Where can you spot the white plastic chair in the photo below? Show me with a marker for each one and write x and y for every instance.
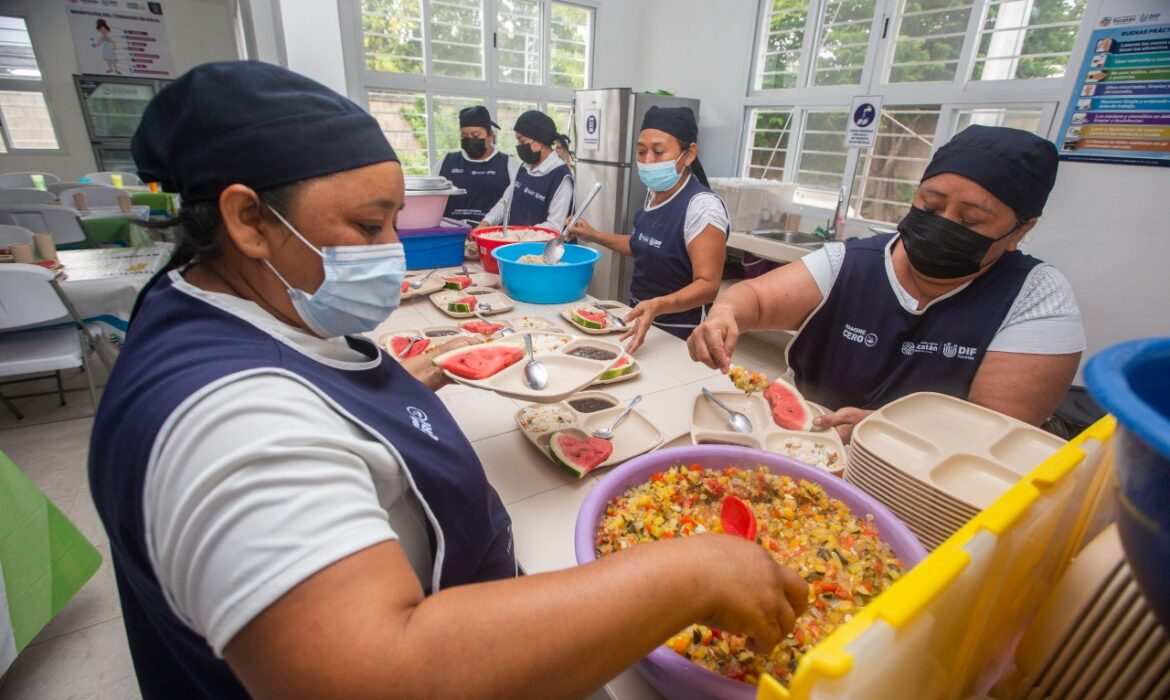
(99, 197)
(26, 195)
(14, 234)
(105, 178)
(30, 297)
(59, 187)
(60, 221)
(10, 180)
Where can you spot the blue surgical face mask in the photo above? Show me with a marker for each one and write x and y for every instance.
(659, 177)
(362, 287)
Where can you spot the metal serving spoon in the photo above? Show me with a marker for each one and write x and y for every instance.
(620, 321)
(535, 373)
(739, 422)
(554, 250)
(607, 433)
(504, 331)
(417, 282)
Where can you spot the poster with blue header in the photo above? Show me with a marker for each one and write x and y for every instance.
(1119, 111)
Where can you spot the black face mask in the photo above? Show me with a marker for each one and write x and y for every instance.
(527, 153)
(940, 248)
(474, 148)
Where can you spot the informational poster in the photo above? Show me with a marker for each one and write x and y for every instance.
(861, 131)
(120, 37)
(1119, 111)
(591, 141)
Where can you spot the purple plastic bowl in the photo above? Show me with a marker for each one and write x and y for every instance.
(671, 674)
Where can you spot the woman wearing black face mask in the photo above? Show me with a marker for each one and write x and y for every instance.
(542, 192)
(477, 167)
(948, 304)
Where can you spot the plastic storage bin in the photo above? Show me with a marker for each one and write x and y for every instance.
(1132, 381)
(948, 627)
(425, 207)
(433, 247)
(546, 284)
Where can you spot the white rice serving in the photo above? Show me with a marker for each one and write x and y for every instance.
(809, 452)
(542, 419)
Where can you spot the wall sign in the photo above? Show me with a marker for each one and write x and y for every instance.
(591, 140)
(864, 119)
(1119, 111)
(120, 37)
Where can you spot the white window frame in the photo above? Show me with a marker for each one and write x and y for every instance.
(1047, 94)
(489, 90)
(39, 85)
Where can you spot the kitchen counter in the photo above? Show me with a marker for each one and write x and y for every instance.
(543, 499)
(763, 248)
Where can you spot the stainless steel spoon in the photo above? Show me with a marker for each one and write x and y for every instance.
(504, 331)
(607, 433)
(554, 250)
(535, 373)
(618, 319)
(739, 422)
(417, 282)
(413, 339)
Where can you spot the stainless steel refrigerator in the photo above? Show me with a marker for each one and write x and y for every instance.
(605, 137)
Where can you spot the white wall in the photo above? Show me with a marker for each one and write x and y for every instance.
(312, 41)
(199, 31)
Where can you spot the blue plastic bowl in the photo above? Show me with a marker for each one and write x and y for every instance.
(545, 284)
(1132, 381)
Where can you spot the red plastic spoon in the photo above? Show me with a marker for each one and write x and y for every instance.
(738, 519)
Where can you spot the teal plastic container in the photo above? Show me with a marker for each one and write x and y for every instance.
(545, 284)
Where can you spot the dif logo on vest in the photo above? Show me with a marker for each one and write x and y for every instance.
(859, 335)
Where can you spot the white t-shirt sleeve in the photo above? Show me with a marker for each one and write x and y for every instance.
(514, 164)
(1044, 319)
(559, 205)
(256, 486)
(824, 264)
(705, 209)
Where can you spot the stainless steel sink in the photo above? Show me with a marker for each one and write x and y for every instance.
(804, 240)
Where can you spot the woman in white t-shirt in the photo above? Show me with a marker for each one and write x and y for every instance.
(679, 237)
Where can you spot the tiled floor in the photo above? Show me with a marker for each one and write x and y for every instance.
(82, 653)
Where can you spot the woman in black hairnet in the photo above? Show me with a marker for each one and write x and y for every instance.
(542, 191)
(290, 512)
(679, 239)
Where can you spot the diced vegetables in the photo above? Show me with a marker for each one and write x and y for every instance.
(747, 381)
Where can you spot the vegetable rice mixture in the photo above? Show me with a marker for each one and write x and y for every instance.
(840, 554)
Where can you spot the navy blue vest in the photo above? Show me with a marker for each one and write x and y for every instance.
(861, 348)
(176, 347)
(485, 182)
(532, 194)
(661, 263)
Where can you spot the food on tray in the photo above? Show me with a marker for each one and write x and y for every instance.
(580, 454)
(530, 323)
(479, 361)
(622, 367)
(810, 452)
(405, 286)
(480, 327)
(440, 332)
(544, 342)
(456, 282)
(589, 318)
(535, 259)
(399, 343)
(789, 409)
(592, 353)
(462, 305)
(518, 235)
(543, 418)
(591, 404)
(747, 381)
(840, 554)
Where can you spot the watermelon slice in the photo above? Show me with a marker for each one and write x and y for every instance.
(399, 342)
(479, 361)
(480, 327)
(589, 318)
(623, 366)
(405, 286)
(789, 409)
(456, 282)
(462, 305)
(579, 455)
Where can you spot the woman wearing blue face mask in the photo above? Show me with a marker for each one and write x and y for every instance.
(291, 513)
(679, 239)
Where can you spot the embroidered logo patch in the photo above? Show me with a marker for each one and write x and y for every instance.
(418, 418)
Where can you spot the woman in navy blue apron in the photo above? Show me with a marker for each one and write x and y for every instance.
(679, 239)
(948, 304)
(477, 167)
(290, 512)
(542, 191)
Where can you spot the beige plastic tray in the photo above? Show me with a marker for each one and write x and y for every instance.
(969, 452)
(429, 286)
(709, 426)
(485, 295)
(436, 334)
(637, 369)
(634, 436)
(922, 493)
(567, 374)
(615, 307)
(528, 323)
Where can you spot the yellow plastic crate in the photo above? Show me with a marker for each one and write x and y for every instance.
(946, 629)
